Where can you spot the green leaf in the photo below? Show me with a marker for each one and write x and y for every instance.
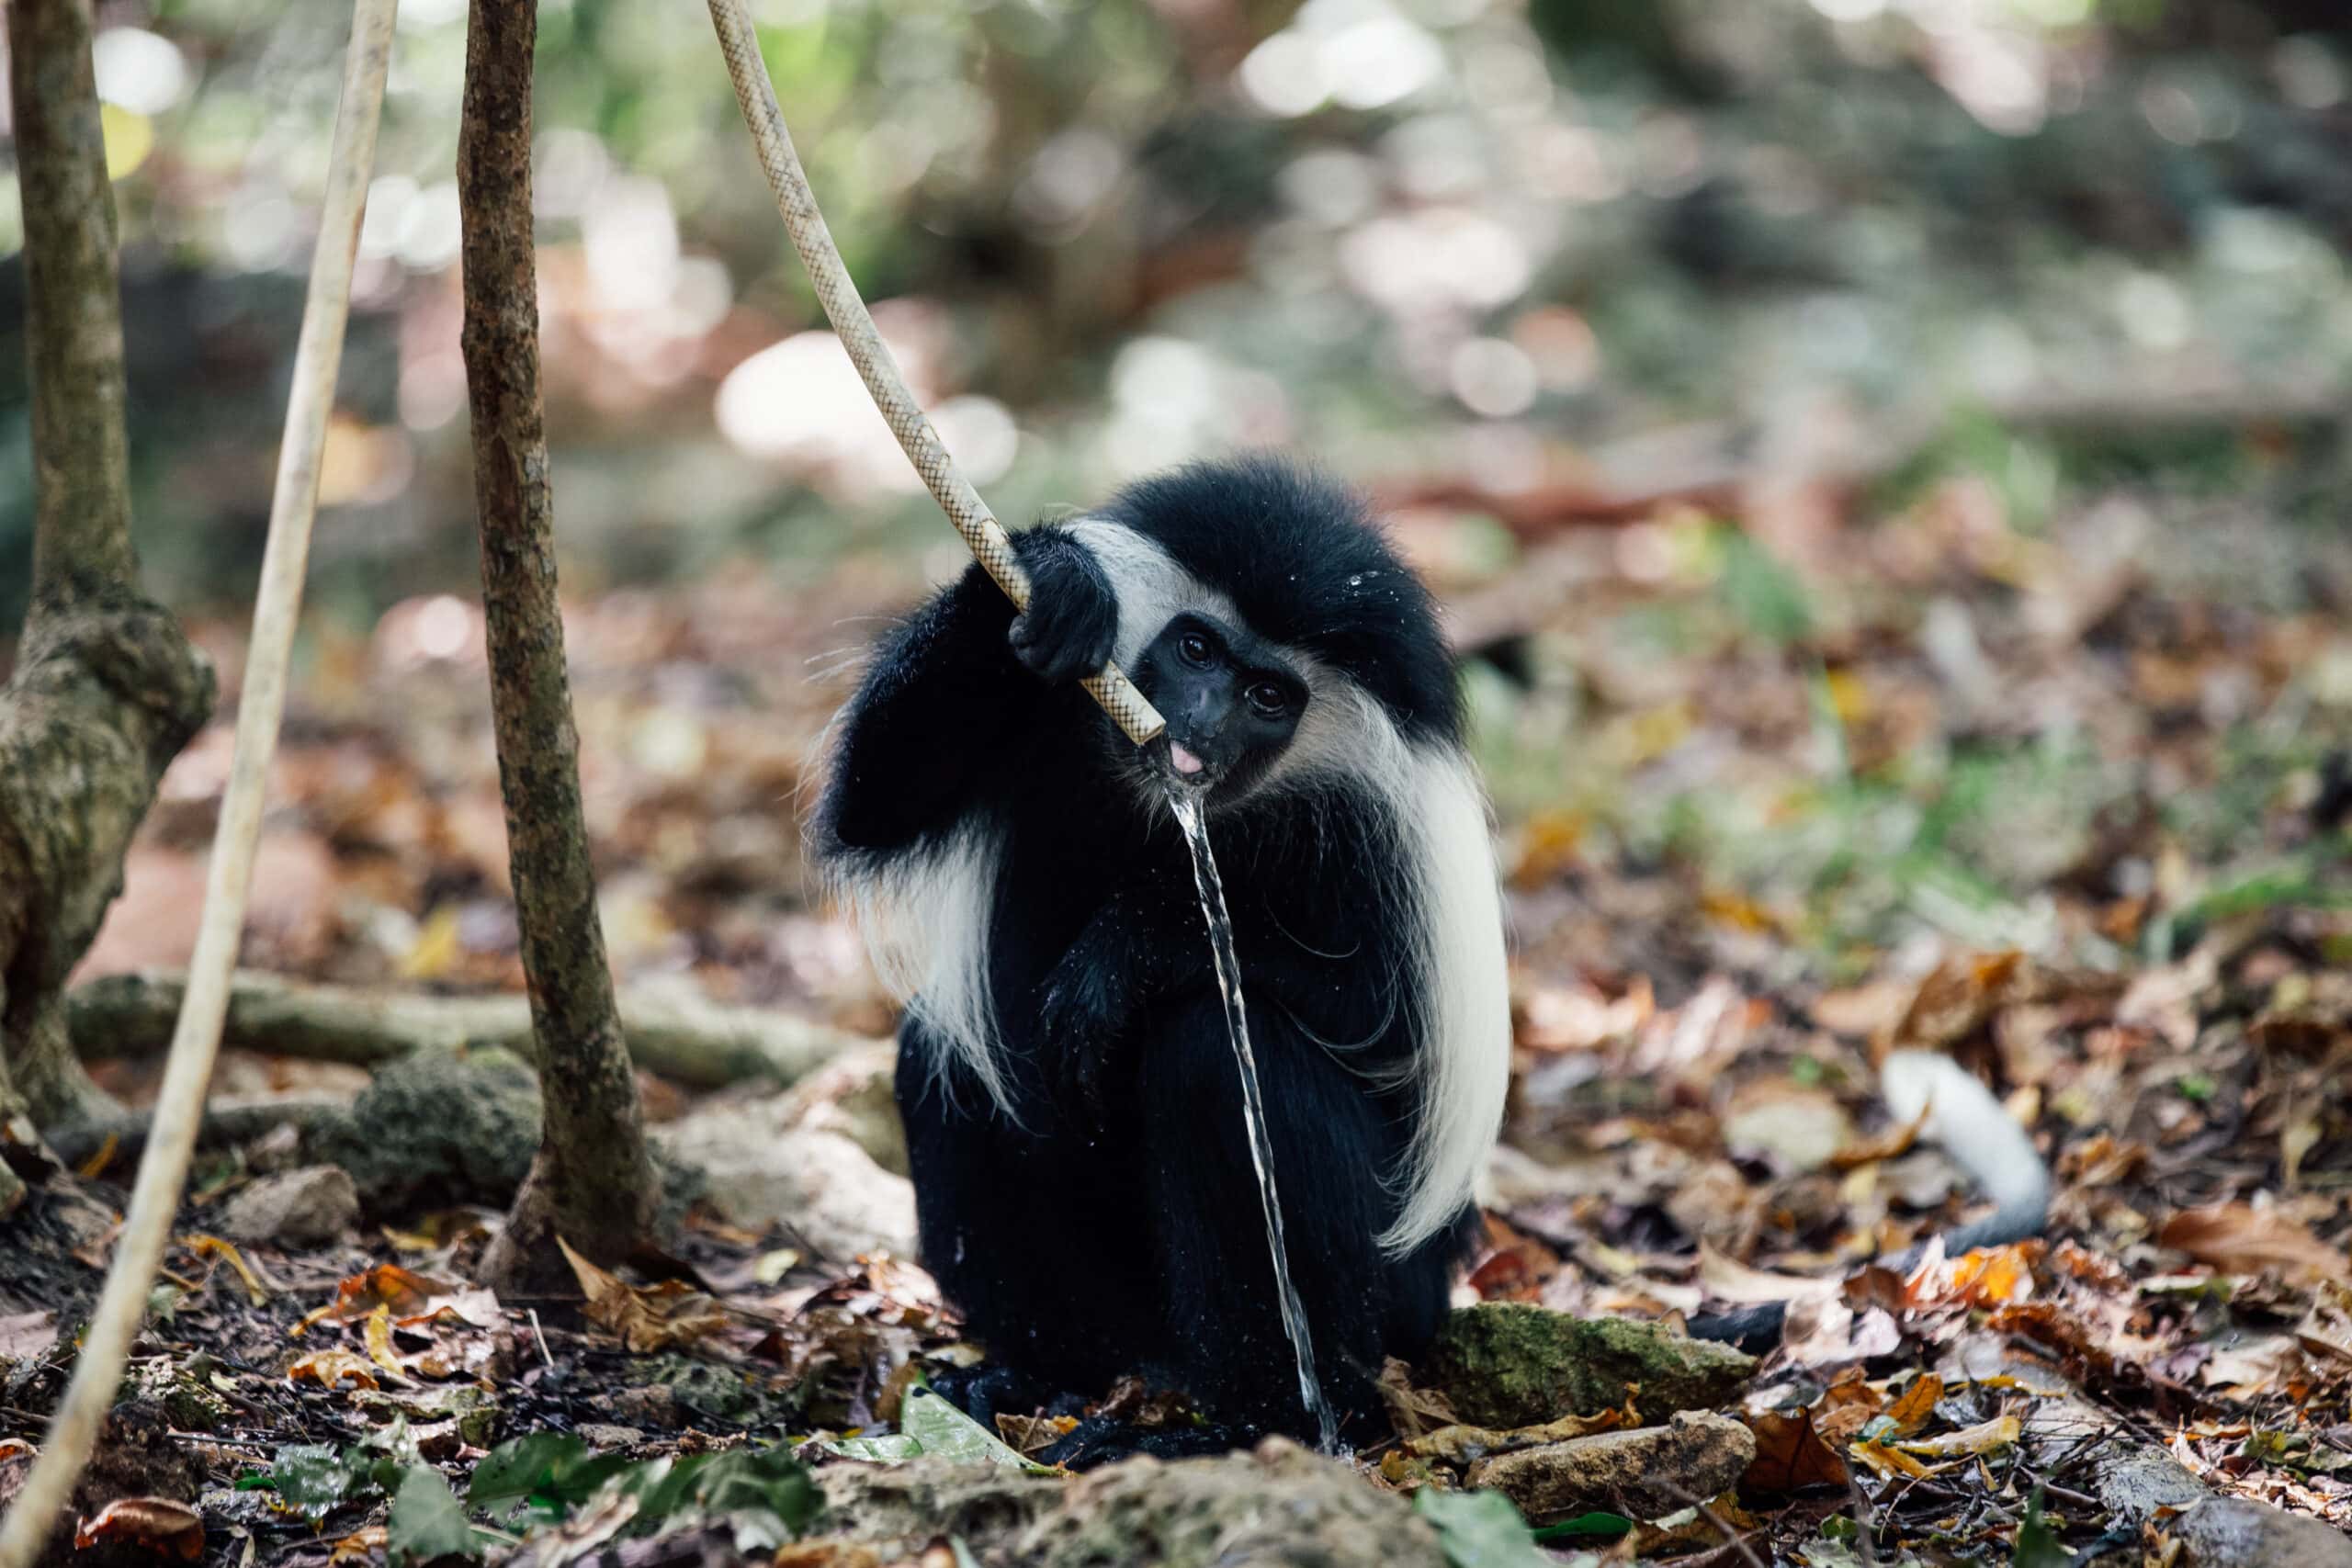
(891, 1448)
(312, 1479)
(2037, 1542)
(947, 1431)
(1479, 1529)
(765, 1493)
(1586, 1527)
(427, 1523)
(554, 1472)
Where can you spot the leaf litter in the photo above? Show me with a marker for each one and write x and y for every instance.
(1785, 839)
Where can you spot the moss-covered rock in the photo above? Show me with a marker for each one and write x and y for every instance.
(1513, 1364)
(436, 1128)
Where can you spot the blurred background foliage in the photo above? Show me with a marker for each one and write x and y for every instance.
(1415, 235)
(1891, 343)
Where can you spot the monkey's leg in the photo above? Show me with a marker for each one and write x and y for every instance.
(1331, 1143)
(1031, 1231)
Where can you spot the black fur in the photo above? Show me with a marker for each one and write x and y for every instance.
(1115, 1227)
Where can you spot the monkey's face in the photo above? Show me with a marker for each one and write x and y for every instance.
(1231, 701)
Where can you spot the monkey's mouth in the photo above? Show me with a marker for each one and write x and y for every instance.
(1189, 769)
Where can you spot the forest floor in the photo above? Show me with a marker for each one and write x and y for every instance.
(2061, 791)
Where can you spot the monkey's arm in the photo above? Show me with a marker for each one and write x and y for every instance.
(951, 686)
(1146, 949)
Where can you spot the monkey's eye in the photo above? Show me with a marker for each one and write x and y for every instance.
(1270, 700)
(1195, 649)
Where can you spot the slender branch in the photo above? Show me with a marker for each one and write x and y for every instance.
(797, 204)
(155, 1199)
(594, 1180)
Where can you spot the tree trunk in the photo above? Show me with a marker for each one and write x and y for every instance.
(106, 688)
(593, 1181)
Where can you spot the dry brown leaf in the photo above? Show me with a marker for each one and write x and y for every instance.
(93, 1168)
(1582, 1018)
(2257, 1368)
(838, 1554)
(471, 1307)
(1517, 1267)
(1955, 1000)
(1985, 1437)
(1461, 1443)
(1891, 1462)
(1892, 1144)
(386, 1285)
(1727, 1279)
(2327, 1329)
(152, 1524)
(377, 1334)
(2102, 1160)
(646, 1317)
(2046, 1323)
(1987, 1277)
(1844, 1407)
(1911, 1411)
(332, 1368)
(1864, 1012)
(1693, 1530)
(2237, 1238)
(213, 1247)
(360, 1545)
(1791, 1454)
(1412, 1410)
(1027, 1434)
(1830, 1334)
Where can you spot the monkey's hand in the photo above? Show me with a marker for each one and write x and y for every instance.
(1073, 617)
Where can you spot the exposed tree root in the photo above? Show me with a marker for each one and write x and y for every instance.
(700, 1044)
(228, 1122)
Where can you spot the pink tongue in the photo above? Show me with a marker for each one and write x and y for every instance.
(1185, 761)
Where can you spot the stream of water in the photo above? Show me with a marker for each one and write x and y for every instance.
(1253, 1111)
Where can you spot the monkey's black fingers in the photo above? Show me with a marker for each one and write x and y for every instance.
(1049, 652)
(1073, 616)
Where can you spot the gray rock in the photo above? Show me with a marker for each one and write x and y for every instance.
(2235, 1532)
(2138, 1479)
(299, 1208)
(854, 1095)
(1646, 1473)
(759, 1169)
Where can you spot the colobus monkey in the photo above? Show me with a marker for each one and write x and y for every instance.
(1072, 1106)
